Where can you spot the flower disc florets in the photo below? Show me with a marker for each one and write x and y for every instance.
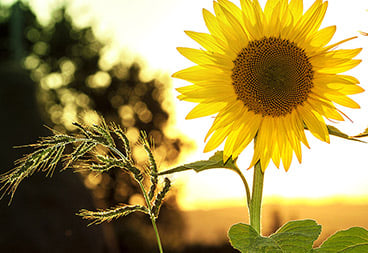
(272, 76)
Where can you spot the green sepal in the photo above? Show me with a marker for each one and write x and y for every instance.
(293, 237)
(214, 162)
(352, 240)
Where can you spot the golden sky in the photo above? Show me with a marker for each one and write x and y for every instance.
(339, 169)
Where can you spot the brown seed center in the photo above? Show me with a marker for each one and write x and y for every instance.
(272, 76)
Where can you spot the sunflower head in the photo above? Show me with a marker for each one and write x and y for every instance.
(267, 73)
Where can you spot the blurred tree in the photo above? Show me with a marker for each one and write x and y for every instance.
(75, 83)
(41, 217)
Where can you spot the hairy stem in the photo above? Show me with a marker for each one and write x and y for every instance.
(148, 203)
(152, 216)
(256, 200)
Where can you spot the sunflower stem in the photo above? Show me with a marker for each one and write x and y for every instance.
(256, 200)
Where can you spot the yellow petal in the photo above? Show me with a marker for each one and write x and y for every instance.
(251, 19)
(206, 58)
(217, 138)
(205, 109)
(296, 7)
(200, 73)
(197, 56)
(208, 93)
(343, 100)
(247, 131)
(227, 115)
(338, 43)
(231, 7)
(350, 89)
(322, 37)
(213, 26)
(258, 16)
(231, 30)
(332, 78)
(340, 65)
(343, 53)
(314, 122)
(291, 136)
(274, 23)
(310, 22)
(239, 34)
(325, 108)
(287, 155)
(277, 142)
(270, 6)
(264, 136)
(296, 123)
(205, 40)
(334, 58)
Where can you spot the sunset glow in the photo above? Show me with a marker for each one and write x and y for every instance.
(329, 172)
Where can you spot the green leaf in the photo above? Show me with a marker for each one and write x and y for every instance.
(352, 240)
(214, 162)
(336, 132)
(244, 238)
(297, 236)
(293, 237)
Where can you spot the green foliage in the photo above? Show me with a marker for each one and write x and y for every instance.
(214, 162)
(297, 237)
(293, 237)
(244, 238)
(352, 240)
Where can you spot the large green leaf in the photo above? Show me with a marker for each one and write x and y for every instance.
(352, 240)
(293, 237)
(244, 238)
(214, 162)
(297, 236)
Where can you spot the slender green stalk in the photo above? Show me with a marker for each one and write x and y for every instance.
(237, 170)
(152, 216)
(256, 200)
(157, 234)
(148, 203)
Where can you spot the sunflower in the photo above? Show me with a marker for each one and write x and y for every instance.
(268, 74)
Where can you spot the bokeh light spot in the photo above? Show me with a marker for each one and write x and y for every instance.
(99, 80)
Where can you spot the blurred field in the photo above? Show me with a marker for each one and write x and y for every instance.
(210, 226)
